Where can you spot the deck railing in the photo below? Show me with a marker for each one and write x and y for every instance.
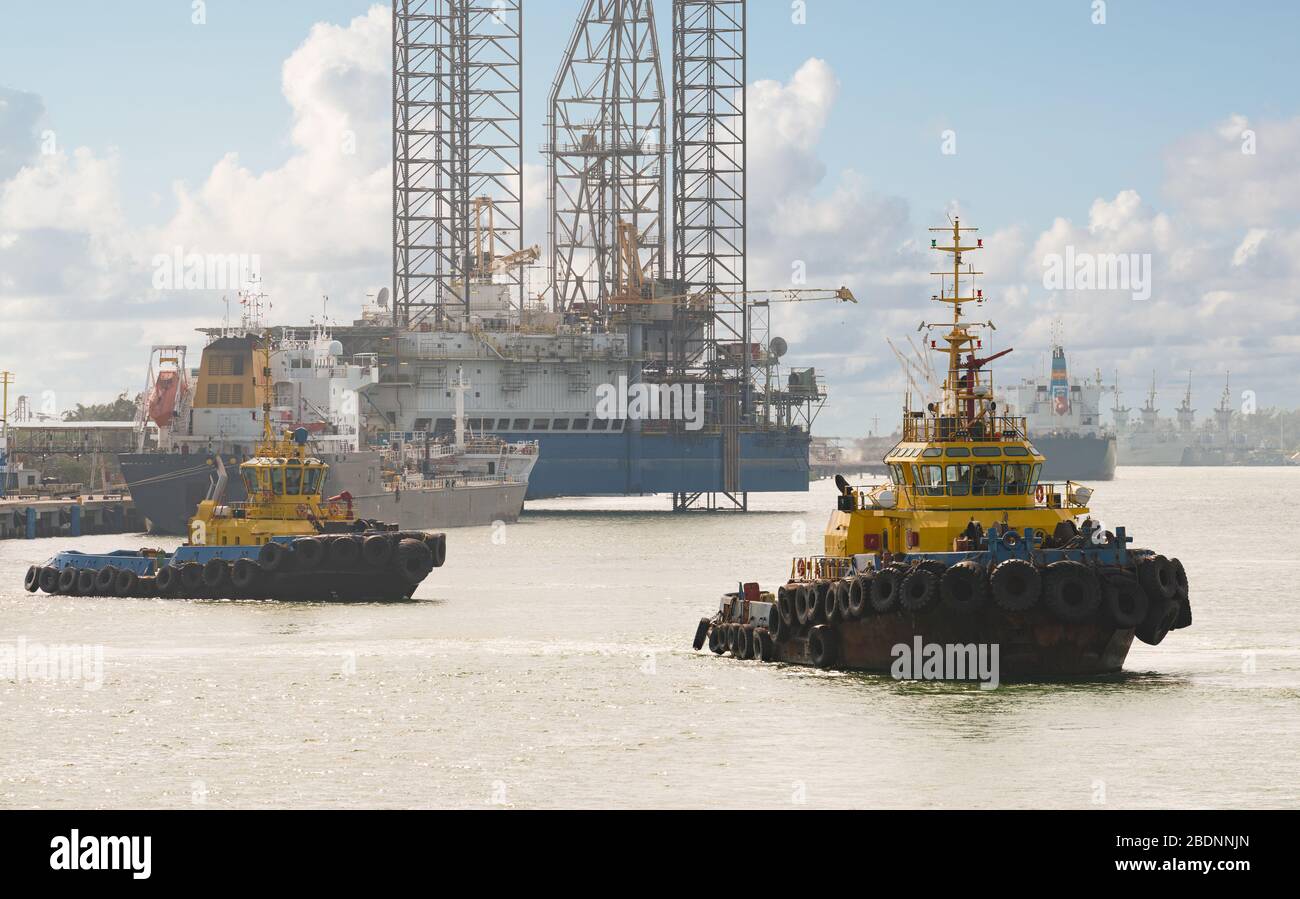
(943, 428)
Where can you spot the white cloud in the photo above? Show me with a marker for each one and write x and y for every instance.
(1237, 173)
(75, 276)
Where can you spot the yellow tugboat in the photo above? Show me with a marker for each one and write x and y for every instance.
(965, 546)
(286, 542)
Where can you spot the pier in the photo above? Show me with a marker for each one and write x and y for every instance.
(30, 517)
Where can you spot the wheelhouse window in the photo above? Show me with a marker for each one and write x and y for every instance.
(312, 483)
(958, 479)
(521, 424)
(896, 473)
(293, 480)
(581, 424)
(250, 481)
(277, 481)
(1016, 482)
(986, 479)
(561, 424)
(600, 424)
(987, 451)
(929, 479)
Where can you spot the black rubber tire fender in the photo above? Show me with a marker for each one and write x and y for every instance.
(308, 553)
(168, 580)
(884, 591)
(1015, 585)
(745, 642)
(803, 599)
(377, 550)
(413, 560)
(785, 604)
(1182, 595)
(216, 574)
(842, 607)
(701, 634)
(273, 556)
(717, 640)
(191, 578)
(246, 575)
(934, 566)
(919, 590)
(824, 646)
(68, 581)
(964, 588)
(831, 602)
(1156, 576)
(125, 583)
(345, 552)
(1070, 592)
(32, 579)
(106, 580)
(819, 606)
(764, 649)
(1123, 602)
(859, 596)
(776, 626)
(1161, 615)
(50, 579)
(437, 544)
(732, 637)
(86, 582)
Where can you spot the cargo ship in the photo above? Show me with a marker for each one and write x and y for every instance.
(415, 479)
(1063, 417)
(966, 556)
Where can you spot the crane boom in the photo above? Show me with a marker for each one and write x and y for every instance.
(782, 295)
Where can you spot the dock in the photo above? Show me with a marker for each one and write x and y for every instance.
(30, 517)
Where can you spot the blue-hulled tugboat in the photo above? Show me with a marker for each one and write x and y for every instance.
(287, 542)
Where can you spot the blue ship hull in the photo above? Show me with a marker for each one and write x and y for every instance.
(630, 463)
(166, 488)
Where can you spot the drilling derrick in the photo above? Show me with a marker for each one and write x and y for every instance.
(457, 152)
(607, 136)
(714, 343)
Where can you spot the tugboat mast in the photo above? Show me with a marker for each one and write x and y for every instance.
(966, 401)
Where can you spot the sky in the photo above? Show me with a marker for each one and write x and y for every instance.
(1169, 131)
